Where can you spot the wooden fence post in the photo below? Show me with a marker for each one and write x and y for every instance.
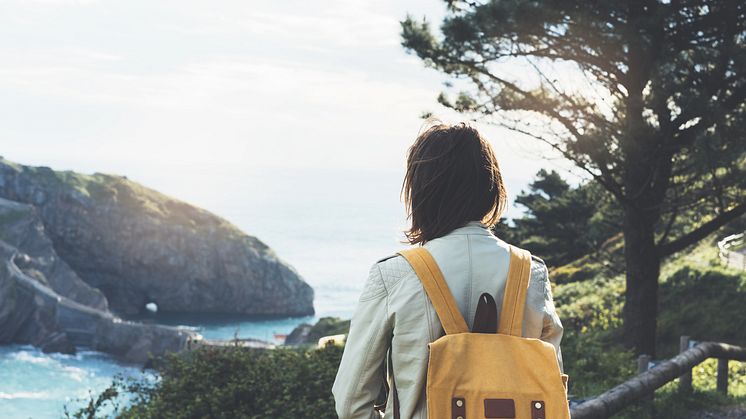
(722, 378)
(642, 363)
(639, 388)
(685, 380)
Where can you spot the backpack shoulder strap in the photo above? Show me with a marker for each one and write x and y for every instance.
(516, 288)
(437, 289)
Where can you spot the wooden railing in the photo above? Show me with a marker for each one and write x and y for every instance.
(643, 385)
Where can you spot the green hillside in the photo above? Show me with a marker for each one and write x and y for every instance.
(698, 297)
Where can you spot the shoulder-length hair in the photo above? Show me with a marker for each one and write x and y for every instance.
(452, 178)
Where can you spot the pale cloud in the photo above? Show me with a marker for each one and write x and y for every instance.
(228, 83)
(231, 82)
(47, 2)
(335, 23)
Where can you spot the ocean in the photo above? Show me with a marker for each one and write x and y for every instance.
(330, 225)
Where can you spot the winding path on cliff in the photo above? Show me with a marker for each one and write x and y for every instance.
(81, 250)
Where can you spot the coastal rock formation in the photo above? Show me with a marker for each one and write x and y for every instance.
(299, 335)
(305, 333)
(21, 228)
(32, 313)
(138, 246)
(44, 303)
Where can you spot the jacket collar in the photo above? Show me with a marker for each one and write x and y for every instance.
(472, 227)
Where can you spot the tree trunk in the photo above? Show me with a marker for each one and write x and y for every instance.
(644, 187)
(643, 267)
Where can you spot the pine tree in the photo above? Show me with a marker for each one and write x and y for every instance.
(563, 223)
(647, 97)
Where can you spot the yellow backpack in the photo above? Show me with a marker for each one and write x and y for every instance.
(488, 375)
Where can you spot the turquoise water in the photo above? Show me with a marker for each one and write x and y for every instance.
(38, 385)
(228, 327)
(330, 225)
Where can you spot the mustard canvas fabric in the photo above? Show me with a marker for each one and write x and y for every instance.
(477, 375)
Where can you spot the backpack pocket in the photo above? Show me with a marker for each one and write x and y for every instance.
(492, 405)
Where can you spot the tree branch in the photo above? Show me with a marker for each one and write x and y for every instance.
(603, 179)
(538, 105)
(701, 232)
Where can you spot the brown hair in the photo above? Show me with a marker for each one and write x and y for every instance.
(452, 178)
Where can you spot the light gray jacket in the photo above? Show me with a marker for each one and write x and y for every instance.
(394, 312)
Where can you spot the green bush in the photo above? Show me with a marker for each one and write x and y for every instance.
(594, 363)
(230, 383)
(591, 348)
(706, 304)
(592, 305)
(574, 273)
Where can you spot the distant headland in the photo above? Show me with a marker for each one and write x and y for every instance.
(77, 251)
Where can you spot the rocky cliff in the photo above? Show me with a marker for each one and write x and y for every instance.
(44, 303)
(22, 230)
(310, 334)
(134, 245)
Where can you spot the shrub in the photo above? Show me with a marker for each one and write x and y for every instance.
(229, 383)
(594, 363)
(595, 304)
(706, 304)
(223, 383)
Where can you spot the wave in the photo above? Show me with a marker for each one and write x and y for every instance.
(30, 356)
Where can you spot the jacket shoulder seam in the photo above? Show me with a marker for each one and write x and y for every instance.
(378, 281)
(538, 259)
(383, 259)
(393, 269)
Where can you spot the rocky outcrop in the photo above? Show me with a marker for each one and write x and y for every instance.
(137, 246)
(33, 313)
(299, 335)
(44, 303)
(22, 229)
(310, 334)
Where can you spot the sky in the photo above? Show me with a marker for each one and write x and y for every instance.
(141, 88)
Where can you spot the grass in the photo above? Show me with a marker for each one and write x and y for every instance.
(698, 297)
(606, 262)
(669, 402)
